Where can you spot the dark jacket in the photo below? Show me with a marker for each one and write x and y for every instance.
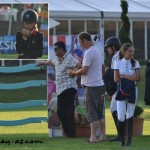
(147, 85)
(126, 90)
(31, 48)
(110, 85)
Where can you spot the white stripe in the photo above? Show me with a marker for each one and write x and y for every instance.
(68, 39)
(54, 39)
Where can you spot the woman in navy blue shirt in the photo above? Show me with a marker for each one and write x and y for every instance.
(29, 41)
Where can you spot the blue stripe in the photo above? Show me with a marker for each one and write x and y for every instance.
(19, 68)
(23, 121)
(29, 103)
(25, 84)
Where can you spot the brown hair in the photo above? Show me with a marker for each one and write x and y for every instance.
(123, 49)
(85, 35)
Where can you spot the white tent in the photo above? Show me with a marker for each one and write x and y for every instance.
(23, 1)
(96, 9)
(139, 10)
(108, 9)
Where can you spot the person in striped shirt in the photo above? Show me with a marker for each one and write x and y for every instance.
(66, 86)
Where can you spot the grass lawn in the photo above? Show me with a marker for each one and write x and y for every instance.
(29, 93)
(14, 56)
(38, 133)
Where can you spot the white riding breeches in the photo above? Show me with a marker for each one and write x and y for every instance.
(125, 108)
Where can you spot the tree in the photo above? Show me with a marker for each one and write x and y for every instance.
(125, 24)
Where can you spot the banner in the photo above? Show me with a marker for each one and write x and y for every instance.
(73, 46)
(8, 45)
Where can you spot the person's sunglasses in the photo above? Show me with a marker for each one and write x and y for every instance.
(56, 49)
(28, 23)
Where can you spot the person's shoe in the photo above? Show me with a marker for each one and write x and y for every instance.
(71, 136)
(129, 143)
(123, 144)
(116, 139)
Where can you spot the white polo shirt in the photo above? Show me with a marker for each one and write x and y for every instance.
(125, 67)
(114, 59)
(92, 59)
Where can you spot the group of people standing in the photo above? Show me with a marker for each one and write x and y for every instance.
(126, 72)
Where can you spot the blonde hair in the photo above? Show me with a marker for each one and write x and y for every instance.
(36, 27)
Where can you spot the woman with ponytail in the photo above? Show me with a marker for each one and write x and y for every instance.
(112, 45)
(126, 73)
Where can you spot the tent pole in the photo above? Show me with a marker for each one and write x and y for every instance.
(131, 30)
(102, 23)
(102, 30)
(10, 21)
(117, 27)
(145, 39)
(69, 26)
(85, 25)
(102, 35)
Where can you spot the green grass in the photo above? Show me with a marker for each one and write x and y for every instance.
(26, 93)
(39, 132)
(68, 144)
(14, 56)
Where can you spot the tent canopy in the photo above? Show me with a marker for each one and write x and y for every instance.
(138, 9)
(23, 1)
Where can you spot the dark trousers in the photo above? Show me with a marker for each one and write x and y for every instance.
(65, 111)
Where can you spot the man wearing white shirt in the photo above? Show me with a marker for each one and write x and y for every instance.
(91, 79)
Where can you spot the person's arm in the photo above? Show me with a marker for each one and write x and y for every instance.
(116, 71)
(46, 63)
(40, 46)
(136, 77)
(25, 33)
(20, 44)
(78, 66)
(81, 71)
(103, 69)
(116, 76)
